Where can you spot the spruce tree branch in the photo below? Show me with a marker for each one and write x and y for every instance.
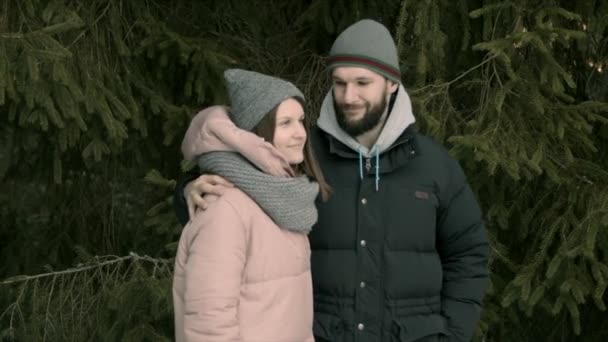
(447, 84)
(4, 19)
(12, 36)
(497, 75)
(496, 23)
(105, 10)
(48, 305)
(23, 21)
(114, 260)
(399, 32)
(503, 258)
(14, 307)
(583, 179)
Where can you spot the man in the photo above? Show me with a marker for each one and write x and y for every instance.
(399, 252)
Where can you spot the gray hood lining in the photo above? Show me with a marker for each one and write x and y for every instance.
(400, 117)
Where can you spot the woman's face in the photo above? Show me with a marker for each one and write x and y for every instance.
(289, 133)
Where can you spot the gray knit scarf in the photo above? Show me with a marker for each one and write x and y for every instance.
(289, 201)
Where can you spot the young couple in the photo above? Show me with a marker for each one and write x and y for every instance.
(359, 229)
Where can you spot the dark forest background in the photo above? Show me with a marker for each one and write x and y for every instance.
(96, 95)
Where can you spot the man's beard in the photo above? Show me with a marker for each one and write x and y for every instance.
(371, 118)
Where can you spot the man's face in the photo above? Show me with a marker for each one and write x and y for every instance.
(361, 97)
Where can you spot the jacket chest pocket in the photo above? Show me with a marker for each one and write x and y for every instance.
(412, 218)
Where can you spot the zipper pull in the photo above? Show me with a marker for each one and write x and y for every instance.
(368, 164)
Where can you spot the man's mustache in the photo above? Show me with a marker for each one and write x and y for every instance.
(350, 107)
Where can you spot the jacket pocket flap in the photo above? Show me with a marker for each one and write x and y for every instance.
(413, 328)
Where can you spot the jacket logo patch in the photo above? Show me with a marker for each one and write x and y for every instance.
(422, 195)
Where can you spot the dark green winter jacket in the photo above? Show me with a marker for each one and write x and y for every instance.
(398, 257)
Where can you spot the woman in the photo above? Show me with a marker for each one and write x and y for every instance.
(242, 270)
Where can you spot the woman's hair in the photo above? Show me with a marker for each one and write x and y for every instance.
(310, 166)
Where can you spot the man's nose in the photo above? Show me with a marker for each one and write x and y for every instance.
(350, 94)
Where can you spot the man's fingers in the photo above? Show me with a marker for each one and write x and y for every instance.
(195, 201)
(200, 202)
(205, 184)
(190, 209)
(218, 180)
(217, 190)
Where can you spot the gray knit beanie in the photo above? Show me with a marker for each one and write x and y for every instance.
(367, 44)
(252, 95)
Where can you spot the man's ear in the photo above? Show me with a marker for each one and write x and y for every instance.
(392, 86)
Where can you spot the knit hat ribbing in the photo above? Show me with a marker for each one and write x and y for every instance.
(367, 44)
(252, 95)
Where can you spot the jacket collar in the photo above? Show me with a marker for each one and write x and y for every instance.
(339, 148)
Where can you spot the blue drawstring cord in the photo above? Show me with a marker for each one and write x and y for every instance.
(360, 163)
(377, 148)
(377, 166)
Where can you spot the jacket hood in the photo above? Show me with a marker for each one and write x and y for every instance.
(211, 130)
(399, 118)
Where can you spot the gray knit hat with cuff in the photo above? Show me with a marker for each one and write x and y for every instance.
(367, 44)
(252, 95)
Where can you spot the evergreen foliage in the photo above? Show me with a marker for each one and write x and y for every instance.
(95, 97)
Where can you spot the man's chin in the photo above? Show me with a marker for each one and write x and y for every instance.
(351, 128)
(353, 117)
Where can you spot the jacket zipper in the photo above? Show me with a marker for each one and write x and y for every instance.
(368, 161)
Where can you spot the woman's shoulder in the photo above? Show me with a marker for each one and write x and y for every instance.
(237, 198)
(232, 211)
(233, 201)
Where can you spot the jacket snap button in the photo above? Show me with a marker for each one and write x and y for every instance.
(362, 284)
(363, 243)
(360, 326)
(364, 200)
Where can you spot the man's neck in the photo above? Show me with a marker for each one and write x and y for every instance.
(369, 138)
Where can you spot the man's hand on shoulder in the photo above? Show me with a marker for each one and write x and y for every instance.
(195, 191)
